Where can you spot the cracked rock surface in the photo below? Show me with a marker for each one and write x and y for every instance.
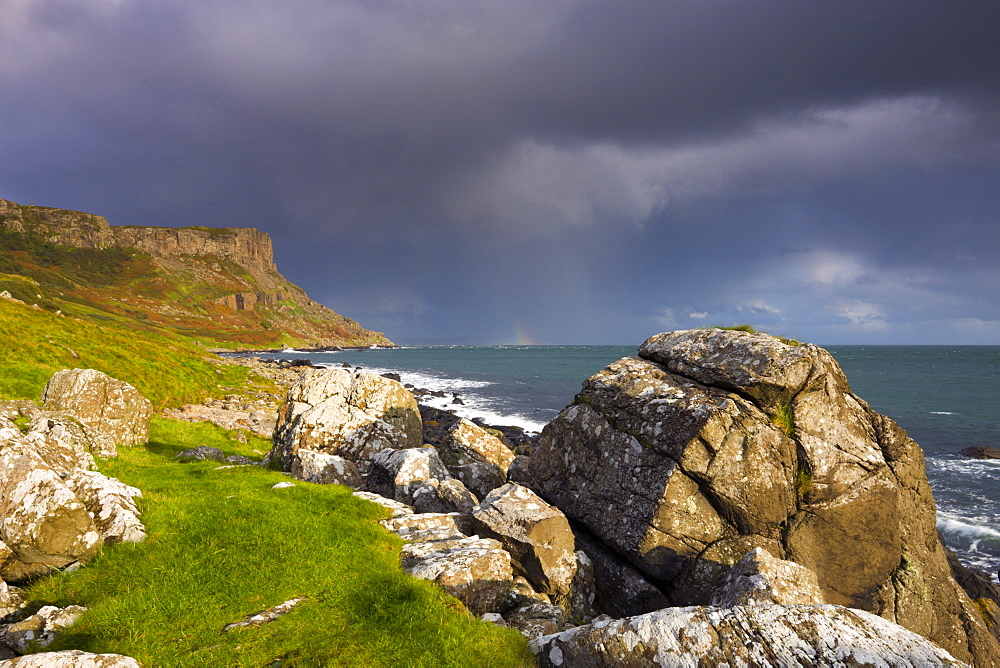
(711, 443)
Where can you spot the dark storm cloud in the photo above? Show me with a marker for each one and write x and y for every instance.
(579, 144)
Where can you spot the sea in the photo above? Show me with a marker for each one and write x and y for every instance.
(946, 397)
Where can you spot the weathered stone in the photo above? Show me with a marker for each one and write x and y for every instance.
(105, 405)
(621, 589)
(70, 430)
(395, 507)
(61, 455)
(348, 413)
(536, 534)
(325, 469)
(406, 525)
(443, 496)
(760, 579)
(476, 571)
(715, 442)
(757, 635)
(240, 460)
(12, 599)
(44, 525)
(265, 616)
(40, 628)
(537, 619)
(71, 658)
(200, 454)
(476, 457)
(111, 503)
(397, 473)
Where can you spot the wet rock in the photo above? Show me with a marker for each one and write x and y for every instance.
(104, 404)
(325, 469)
(755, 635)
(980, 452)
(200, 454)
(350, 414)
(476, 457)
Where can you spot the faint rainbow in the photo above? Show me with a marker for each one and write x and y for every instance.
(522, 337)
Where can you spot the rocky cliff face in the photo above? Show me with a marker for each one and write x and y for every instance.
(712, 443)
(226, 275)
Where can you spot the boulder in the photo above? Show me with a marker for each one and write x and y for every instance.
(536, 534)
(44, 525)
(71, 658)
(754, 635)
(111, 503)
(712, 443)
(476, 571)
(40, 628)
(396, 473)
(980, 452)
(760, 579)
(352, 414)
(536, 619)
(105, 405)
(476, 457)
(69, 429)
(55, 511)
(443, 496)
(324, 469)
(407, 525)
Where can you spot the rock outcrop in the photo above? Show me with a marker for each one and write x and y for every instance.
(756, 635)
(476, 457)
(238, 293)
(712, 443)
(111, 409)
(351, 414)
(71, 658)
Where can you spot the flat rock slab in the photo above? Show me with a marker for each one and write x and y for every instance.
(71, 658)
(265, 616)
(760, 636)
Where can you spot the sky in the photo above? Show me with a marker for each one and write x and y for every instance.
(554, 171)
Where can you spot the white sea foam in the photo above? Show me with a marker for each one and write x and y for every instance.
(474, 406)
(941, 413)
(968, 528)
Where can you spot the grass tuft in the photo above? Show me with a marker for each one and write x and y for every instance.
(784, 417)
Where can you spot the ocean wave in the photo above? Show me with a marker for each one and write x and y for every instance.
(968, 528)
(474, 406)
(942, 413)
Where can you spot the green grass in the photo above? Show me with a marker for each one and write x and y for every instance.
(750, 329)
(168, 370)
(222, 545)
(785, 419)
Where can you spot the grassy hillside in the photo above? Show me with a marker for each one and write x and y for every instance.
(209, 298)
(168, 369)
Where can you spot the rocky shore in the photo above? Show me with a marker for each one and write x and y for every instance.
(721, 497)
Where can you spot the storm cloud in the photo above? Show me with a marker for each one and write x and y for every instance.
(585, 171)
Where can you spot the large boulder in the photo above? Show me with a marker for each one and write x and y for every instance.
(712, 443)
(397, 473)
(54, 510)
(476, 571)
(348, 413)
(318, 467)
(476, 457)
(756, 635)
(106, 406)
